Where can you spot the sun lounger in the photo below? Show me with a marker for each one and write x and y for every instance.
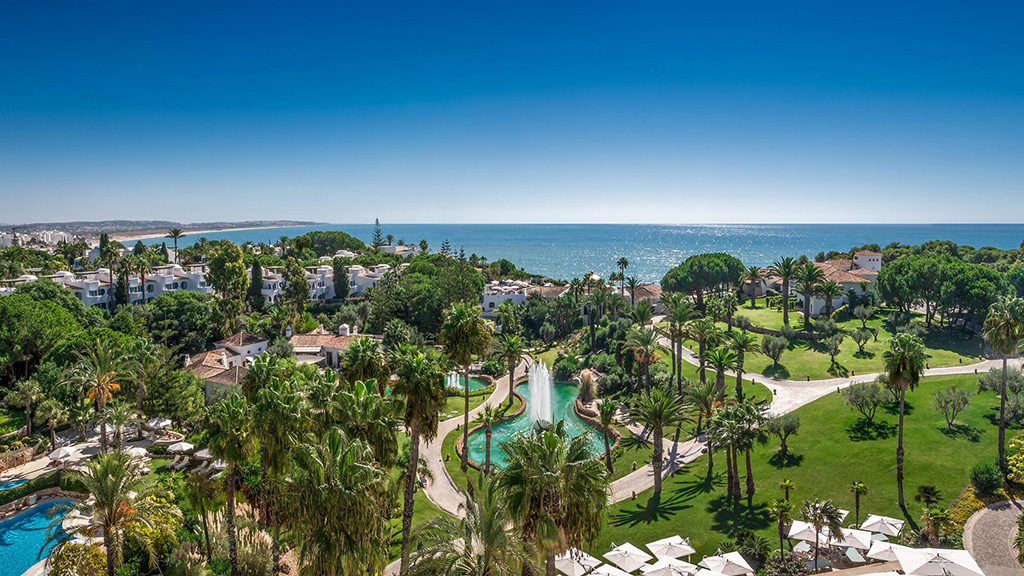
(201, 469)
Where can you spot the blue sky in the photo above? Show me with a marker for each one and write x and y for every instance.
(665, 112)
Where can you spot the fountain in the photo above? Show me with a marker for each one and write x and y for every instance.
(454, 380)
(540, 386)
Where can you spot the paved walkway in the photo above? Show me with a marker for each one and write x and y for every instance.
(989, 535)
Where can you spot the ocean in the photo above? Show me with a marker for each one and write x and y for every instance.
(565, 251)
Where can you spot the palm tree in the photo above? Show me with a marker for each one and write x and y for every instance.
(657, 410)
(174, 234)
(644, 345)
(203, 494)
(512, 349)
(80, 416)
(755, 277)
(859, 489)
(371, 417)
(706, 333)
(488, 418)
(99, 373)
(782, 512)
(365, 360)
(125, 507)
(808, 277)
(632, 284)
(822, 515)
(751, 418)
(904, 363)
(335, 502)
(53, 413)
(622, 263)
(119, 415)
(828, 291)
(928, 495)
(742, 343)
(700, 396)
(142, 267)
(421, 385)
(606, 416)
(231, 440)
(478, 544)
(26, 393)
(787, 486)
(1004, 329)
(679, 310)
(784, 269)
(721, 359)
(725, 430)
(642, 313)
(464, 334)
(555, 492)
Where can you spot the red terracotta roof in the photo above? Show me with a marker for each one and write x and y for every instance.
(241, 339)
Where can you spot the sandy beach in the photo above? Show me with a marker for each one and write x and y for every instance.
(147, 234)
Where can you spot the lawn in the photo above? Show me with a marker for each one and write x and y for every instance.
(808, 358)
(546, 355)
(457, 404)
(831, 451)
(11, 419)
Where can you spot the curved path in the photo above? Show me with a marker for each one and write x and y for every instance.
(989, 535)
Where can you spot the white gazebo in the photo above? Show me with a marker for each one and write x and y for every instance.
(729, 564)
(883, 525)
(627, 556)
(574, 562)
(671, 547)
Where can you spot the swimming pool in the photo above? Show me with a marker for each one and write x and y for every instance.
(22, 536)
(8, 484)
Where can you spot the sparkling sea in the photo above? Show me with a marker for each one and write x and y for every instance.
(564, 251)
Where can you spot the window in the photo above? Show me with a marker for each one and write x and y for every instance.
(490, 304)
(149, 288)
(184, 285)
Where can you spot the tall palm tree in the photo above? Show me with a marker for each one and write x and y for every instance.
(335, 502)
(371, 417)
(808, 277)
(174, 234)
(1004, 329)
(204, 495)
(701, 397)
(755, 277)
(125, 506)
(555, 492)
(26, 393)
(828, 291)
(231, 440)
(858, 489)
(706, 333)
(657, 410)
(99, 373)
(278, 430)
(721, 359)
(644, 345)
(752, 419)
(421, 385)
(81, 413)
(782, 512)
(464, 334)
(478, 544)
(725, 429)
(53, 413)
(142, 266)
(622, 263)
(742, 343)
(784, 269)
(119, 415)
(632, 284)
(679, 311)
(822, 515)
(642, 313)
(488, 418)
(606, 416)
(904, 363)
(512, 349)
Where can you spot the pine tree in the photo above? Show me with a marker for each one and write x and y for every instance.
(378, 237)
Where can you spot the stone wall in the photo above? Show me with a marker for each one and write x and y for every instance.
(54, 493)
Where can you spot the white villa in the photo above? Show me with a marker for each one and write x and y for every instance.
(856, 274)
(228, 363)
(498, 291)
(93, 288)
(322, 347)
(403, 250)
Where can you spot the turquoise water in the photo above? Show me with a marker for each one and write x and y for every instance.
(566, 251)
(11, 484)
(475, 384)
(23, 536)
(562, 398)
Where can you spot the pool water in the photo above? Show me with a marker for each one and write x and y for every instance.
(475, 384)
(7, 485)
(22, 537)
(562, 398)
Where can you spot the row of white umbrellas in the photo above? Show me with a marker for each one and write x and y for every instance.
(629, 558)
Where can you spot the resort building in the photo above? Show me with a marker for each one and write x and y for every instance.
(319, 278)
(403, 250)
(856, 274)
(228, 363)
(323, 347)
(547, 291)
(498, 291)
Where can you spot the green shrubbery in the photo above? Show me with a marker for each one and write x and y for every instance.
(986, 478)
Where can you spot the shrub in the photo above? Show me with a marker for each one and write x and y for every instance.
(841, 313)
(494, 368)
(789, 565)
(986, 478)
(157, 449)
(773, 347)
(742, 322)
(78, 560)
(825, 326)
(788, 332)
(48, 480)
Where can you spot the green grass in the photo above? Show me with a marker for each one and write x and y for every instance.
(11, 420)
(546, 355)
(830, 452)
(807, 358)
(458, 404)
